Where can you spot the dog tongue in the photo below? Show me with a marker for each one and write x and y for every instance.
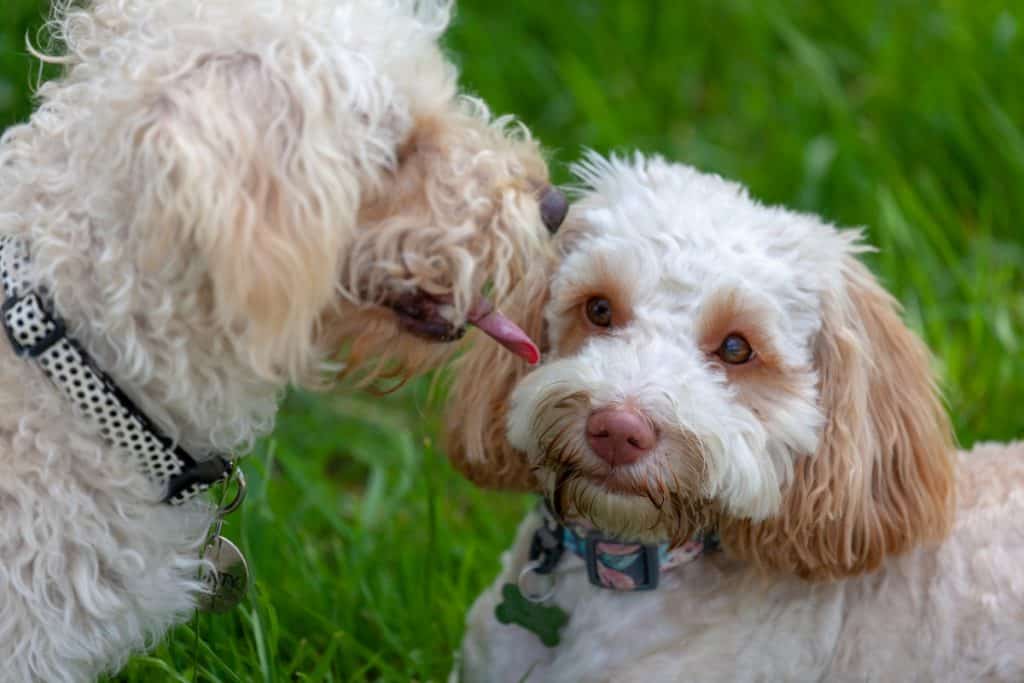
(504, 331)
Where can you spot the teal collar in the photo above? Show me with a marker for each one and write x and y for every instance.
(612, 563)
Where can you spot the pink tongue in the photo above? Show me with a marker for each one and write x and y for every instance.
(504, 331)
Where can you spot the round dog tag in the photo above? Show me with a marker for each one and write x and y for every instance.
(228, 583)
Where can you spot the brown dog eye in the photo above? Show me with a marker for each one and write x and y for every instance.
(599, 311)
(735, 350)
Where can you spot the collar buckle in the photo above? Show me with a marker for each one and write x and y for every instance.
(31, 305)
(546, 547)
(197, 477)
(627, 567)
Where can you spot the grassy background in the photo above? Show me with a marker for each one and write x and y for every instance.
(902, 116)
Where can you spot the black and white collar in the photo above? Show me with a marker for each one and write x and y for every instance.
(38, 333)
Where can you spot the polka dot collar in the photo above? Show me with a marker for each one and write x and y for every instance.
(38, 333)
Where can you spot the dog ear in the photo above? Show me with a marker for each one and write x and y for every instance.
(237, 161)
(882, 480)
(475, 418)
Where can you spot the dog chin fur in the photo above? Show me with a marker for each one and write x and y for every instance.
(219, 196)
(856, 543)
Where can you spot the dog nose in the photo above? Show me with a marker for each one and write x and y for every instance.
(620, 436)
(553, 207)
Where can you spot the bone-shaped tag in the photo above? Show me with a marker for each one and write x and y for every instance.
(543, 621)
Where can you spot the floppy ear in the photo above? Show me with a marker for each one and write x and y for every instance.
(475, 418)
(882, 480)
(241, 160)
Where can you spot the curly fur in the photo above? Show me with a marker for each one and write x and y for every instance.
(219, 196)
(856, 543)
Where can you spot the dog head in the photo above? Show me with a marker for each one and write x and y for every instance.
(218, 201)
(310, 175)
(714, 363)
(466, 214)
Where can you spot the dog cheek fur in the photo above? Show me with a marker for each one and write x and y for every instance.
(459, 210)
(753, 464)
(882, 479)
(478, 405)
(263, 199)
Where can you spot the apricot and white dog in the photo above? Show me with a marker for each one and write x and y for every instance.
(718, 366)
(218, 196)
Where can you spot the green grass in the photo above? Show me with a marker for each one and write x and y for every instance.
(900, 116)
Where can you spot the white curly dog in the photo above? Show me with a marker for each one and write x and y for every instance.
(732, 415)
(215, 198)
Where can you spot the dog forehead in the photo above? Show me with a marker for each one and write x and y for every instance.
(678, 231)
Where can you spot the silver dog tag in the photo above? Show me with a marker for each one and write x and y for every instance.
(228, 583)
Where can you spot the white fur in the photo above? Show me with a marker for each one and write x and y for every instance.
(953, 614)
(191, 189)
(673, 239)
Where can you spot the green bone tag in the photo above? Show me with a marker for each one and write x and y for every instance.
(544, 622)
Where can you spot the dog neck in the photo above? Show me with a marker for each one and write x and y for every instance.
(39, 334)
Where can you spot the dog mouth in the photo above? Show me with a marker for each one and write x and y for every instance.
(428, 316)
(424, 315)
(644, 511)
(604, 480)
(574, 478)
(619, 482)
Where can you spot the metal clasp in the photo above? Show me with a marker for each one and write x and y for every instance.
(545, 592)
(225, 573)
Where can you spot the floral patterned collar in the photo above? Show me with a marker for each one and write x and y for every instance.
(613, 563)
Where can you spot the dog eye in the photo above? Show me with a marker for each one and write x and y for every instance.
(735, 350)
(599, 311)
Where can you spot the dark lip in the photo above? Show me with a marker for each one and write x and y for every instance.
(419, 314)
(607, 479)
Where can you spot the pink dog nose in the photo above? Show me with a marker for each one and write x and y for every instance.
(620, 436)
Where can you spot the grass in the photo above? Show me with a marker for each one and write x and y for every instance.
(899, 116)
